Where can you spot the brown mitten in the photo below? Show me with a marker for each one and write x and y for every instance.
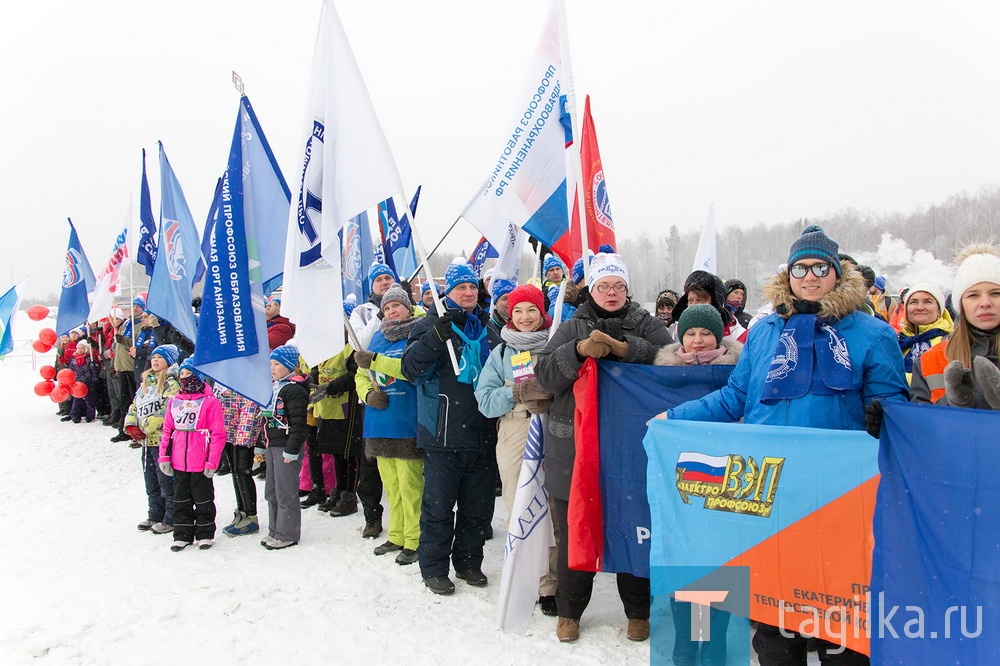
(364, 358)
(588, 347)
(377, 399)
(538, 406)
(530, 389)
(618, 347)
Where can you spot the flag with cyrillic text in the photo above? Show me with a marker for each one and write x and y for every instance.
(108, 278)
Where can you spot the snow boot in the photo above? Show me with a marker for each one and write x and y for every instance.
(347, 505)
(315, 497)
(245, 525)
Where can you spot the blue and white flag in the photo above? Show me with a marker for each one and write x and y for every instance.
(231, 346)
(9, 304)
(529, 537)
(527, 185)
(178, 252)
(78, 282)
(145, 252)
(704, 256)
(359, 254)
(480, 254)
(397, 237)
(109, 275)
(340, 178)
(206, 235)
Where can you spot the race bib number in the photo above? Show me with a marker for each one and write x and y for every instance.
(148, 404)
(185, 413)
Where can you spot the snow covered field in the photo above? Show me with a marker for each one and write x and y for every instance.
(81, 585)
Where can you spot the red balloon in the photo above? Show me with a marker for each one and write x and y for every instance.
(66, 377)
(44, 388)
(59, 394)
(48, 336)
(47, 372)
(40, 346)
(37, 312)
(78, 390)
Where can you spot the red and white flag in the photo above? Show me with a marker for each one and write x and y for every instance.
(109, 276)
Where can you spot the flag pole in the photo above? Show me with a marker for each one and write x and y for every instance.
(424, 259)
(356, 343)
(438, 304)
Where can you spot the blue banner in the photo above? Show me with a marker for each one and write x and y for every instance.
(178, 250)
(8, 306)
(206, 235)
(397, 237)
(232, 329)
(359, 255)
(936, 565)
(78, 281)
(480, 254)
(146, 253)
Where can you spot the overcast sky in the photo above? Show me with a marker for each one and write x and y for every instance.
(771, 110)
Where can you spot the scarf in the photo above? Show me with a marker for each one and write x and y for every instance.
(531, 341)
(810, 357)
(192, 385)
(475, 349)
(914, 346)
(700, 358)
(612, 323)
(394, 331)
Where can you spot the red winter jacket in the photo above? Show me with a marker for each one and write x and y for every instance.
(279, 331)
(194, 432)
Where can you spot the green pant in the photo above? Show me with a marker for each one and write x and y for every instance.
(403, 480)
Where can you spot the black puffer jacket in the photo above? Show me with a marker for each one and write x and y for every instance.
(740, 313)
(286, 426)
(558, 366)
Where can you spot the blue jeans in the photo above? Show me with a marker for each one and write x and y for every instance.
(159, 487)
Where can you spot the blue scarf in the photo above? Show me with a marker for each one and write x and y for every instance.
(475, 350)
(915, 345)
(811, 357)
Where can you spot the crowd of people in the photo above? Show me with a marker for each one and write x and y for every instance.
(432, 410)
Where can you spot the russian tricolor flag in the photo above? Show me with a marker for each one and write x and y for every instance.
(700, 467)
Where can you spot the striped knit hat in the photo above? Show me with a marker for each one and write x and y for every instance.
(815, 244)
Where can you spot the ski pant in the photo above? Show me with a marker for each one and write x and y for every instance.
(240, 462)
(127, 389)
(462, 478)
(281, 491)
(194, 506)
(102, 403)
(84, 407)
(370, 488)
(573, 588)
(775, 649)
(159, 487)
(404, 490)
(114, 396)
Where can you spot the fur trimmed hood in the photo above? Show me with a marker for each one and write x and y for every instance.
(848, 296)
(668, 355)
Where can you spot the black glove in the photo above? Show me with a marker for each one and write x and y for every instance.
(873, 418)
(405, 284)
(442, 327)
(340, 385)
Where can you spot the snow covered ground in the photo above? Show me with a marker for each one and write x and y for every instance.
(81, 585)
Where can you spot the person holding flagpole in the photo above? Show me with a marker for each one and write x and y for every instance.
(818, 361)
(609, 325)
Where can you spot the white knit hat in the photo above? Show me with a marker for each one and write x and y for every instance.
(927, 288)
(607, 265)
(976, 263)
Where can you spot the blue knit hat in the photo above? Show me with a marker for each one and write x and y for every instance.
(457, 274)
(880, 283)
(376, 270)
(274, 299)
(425, 287)
(501, 287)
(138, 300)
(607, 249)
(551, 261)
(350, 302)
(815, 244)
(578, 270)
(169, 353)
(188, 364)
(286, 355)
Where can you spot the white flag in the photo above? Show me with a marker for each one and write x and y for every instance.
(529, 537)
(704, 258)
(109, 276)
(509, 262)
(343, 175)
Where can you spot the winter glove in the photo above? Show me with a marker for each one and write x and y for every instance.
(987, 379)
(958, 386)
(167, 469)
(364, 358)
(618, 347)
(873, 418)
(442, 327)
(588, 347)
(377, 399)
(538, 406)
(258, 460)
(318, 392)
(209, 473)
(407, 287)
(339, 386)
(530, 389)
(135, 433)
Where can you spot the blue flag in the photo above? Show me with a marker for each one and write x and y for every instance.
(480, 254)
(146, 253)
(935, 588)
(231, 346)
(206, 235)
(78, 281)
(178, 251)
(8, 306)
(359, 255)
(400, 255)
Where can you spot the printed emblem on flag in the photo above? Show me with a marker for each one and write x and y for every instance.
(72, 274)
(729, 483)
(351, 260)
(601, 201)
(310, 203)
(173, 248)
(783, 364)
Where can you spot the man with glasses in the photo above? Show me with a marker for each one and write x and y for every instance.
(817, 313)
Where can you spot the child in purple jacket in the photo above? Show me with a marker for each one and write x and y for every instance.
(194, 436)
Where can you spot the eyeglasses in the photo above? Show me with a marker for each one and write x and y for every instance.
(604, 288)
(799, 271)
